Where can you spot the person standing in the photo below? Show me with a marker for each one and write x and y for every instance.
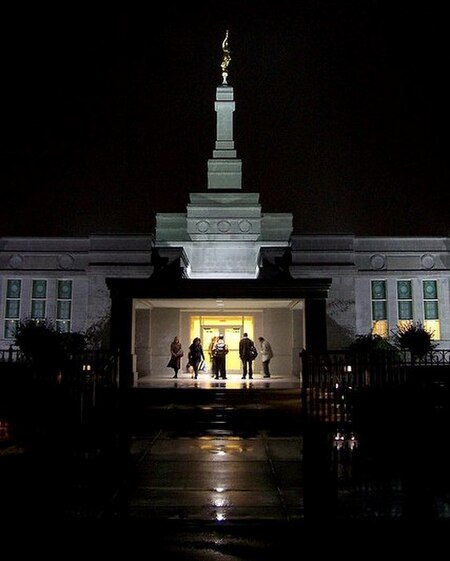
(266, 355)
(220, 352)
(246, 356)
(196, 355)
(176, 352)
(211, 354)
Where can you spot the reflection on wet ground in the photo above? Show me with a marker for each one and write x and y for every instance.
(224, 478)
(309, 473)
(237, 463)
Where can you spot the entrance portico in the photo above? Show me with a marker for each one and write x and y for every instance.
(148, 313)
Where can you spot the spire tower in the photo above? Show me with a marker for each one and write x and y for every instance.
(224, 168)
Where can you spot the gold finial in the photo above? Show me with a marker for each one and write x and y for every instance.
(226, 59)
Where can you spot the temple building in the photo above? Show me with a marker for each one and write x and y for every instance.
(226, 266)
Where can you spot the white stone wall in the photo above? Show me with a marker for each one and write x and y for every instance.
(165, 325)
(341, 312)
(277, 328)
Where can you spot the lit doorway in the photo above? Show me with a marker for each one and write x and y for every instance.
(232, 327)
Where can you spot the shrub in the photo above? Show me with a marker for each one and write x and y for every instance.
(414, 338)
(367, 344)
(97, 335)
(43, 344)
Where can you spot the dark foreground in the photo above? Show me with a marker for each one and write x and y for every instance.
(222, 474)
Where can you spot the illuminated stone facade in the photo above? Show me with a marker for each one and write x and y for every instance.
(225, 237)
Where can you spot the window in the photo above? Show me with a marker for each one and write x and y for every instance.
(64, 306)
(404, 303)
(431, 308)
(38, 299)
(12, 309)
(379, 308)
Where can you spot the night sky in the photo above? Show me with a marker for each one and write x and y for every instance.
(342, 113)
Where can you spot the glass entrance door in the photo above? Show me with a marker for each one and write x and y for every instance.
(231, 327)
(232, 336)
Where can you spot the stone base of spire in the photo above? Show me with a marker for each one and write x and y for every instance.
(224, 174)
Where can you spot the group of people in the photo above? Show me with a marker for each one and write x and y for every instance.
(218, 351)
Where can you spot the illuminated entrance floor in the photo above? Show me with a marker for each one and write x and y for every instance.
(205, 381)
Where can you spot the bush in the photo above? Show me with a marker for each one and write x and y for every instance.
(367, 344)
(41, 343)
(97, 335)
(415, 338)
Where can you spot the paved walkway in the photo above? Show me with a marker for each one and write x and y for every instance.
(217, 479)
(220, 454)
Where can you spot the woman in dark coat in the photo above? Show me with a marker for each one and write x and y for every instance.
(196, 355)
(176, 352)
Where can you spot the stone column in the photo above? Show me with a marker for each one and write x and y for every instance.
(316, 324)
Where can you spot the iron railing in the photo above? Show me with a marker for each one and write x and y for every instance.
(331, 381)
(11, 355)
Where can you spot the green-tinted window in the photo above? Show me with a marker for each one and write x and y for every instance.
(379, 310)
(38, 299)
(39, 289)
(64, 306)
(63, 326)
(63, 309)
(404, 300)
(64, 289)
(12, 307)
(38, 309)
(405, 310)
(379, 290)
(431, 310)
(10, 328)
(430, 290)
(13, 288)
(404, 290)
(379, 307)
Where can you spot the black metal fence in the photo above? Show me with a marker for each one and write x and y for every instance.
(72, 405)
(96, 368)
(332, 381)
(101, 367)
(11, 355)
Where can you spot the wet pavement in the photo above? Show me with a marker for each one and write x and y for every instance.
(231, 471)
(218, 479)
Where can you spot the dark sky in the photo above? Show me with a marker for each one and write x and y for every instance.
(342, 113)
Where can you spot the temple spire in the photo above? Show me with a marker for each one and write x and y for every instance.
(224, 168)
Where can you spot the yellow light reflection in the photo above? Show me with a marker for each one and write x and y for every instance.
(224, 449)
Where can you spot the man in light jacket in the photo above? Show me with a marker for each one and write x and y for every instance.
(266, 355)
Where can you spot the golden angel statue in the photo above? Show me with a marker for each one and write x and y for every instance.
(226, 59)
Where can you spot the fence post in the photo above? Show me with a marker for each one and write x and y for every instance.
(304, 380)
